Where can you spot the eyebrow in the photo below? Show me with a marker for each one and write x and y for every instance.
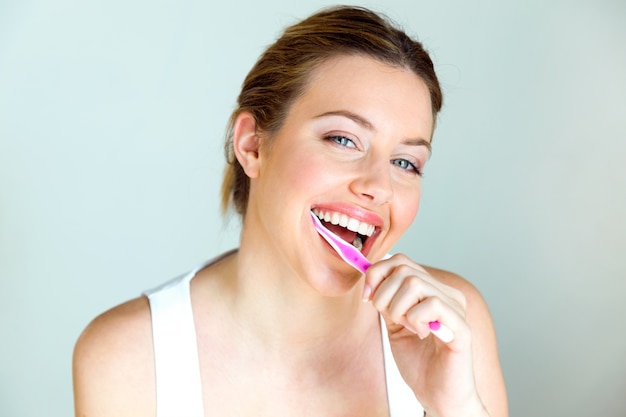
(369, 126)
(419, 142)
(352, 116)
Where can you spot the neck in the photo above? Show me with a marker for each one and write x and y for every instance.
(275, 307)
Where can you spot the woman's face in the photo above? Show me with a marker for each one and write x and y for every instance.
(352, 146)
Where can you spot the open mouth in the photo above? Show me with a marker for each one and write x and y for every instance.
(349, 229)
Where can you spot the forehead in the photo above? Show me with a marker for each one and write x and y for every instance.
(391, 98)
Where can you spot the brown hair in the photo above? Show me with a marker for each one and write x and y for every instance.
(281, 74)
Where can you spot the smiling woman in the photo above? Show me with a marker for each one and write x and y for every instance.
(336, 119)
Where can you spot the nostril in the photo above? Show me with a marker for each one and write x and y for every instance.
(375, 186)
(380, 196)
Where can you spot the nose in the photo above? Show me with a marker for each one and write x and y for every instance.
(373, 182)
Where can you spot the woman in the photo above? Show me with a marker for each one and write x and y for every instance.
(336, 118)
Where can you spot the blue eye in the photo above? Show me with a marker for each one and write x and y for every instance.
(342, 141)
(406, 165)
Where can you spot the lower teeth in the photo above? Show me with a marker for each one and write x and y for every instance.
(357, 243)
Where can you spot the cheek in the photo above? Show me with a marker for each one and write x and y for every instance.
(406, 207)
(298, 173)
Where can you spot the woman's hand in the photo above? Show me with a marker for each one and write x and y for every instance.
(442, 375)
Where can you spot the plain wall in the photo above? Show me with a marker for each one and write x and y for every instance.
(111, 122)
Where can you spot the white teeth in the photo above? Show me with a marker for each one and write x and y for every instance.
(343, 220)
(357, 243)
(363, 228)
(353, 225)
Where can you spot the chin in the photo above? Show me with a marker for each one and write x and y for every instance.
(336, 284)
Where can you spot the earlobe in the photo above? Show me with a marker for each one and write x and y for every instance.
(246, 144)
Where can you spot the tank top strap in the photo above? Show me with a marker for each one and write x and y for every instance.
(401, 399)
(178, 383)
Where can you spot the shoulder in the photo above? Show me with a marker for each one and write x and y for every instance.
(475, 302)
(113, 363)
(477, 313)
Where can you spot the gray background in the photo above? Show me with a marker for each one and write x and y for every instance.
(111, 122)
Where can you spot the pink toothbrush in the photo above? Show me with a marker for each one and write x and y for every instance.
(356, 259)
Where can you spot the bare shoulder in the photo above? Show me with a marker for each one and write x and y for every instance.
(475, 301)
(477, 312)
(113, 363)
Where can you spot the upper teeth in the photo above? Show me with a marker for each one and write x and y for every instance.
(344, 220)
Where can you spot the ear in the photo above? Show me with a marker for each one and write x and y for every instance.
(246, 144)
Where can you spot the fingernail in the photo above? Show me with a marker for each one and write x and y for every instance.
(367, 292)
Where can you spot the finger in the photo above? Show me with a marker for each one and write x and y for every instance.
(399, 291)
(411, 291)
(382, 270)
(433, 315)
(377, 273)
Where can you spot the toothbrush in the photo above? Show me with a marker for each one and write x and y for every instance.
(356, 259)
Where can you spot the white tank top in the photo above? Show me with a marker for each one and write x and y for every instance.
(178, 384)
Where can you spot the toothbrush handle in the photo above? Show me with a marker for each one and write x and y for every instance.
(442, 332)
(360, 262)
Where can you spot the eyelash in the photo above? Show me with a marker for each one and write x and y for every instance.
(400, 163)
(340, 140)
(409, 166)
